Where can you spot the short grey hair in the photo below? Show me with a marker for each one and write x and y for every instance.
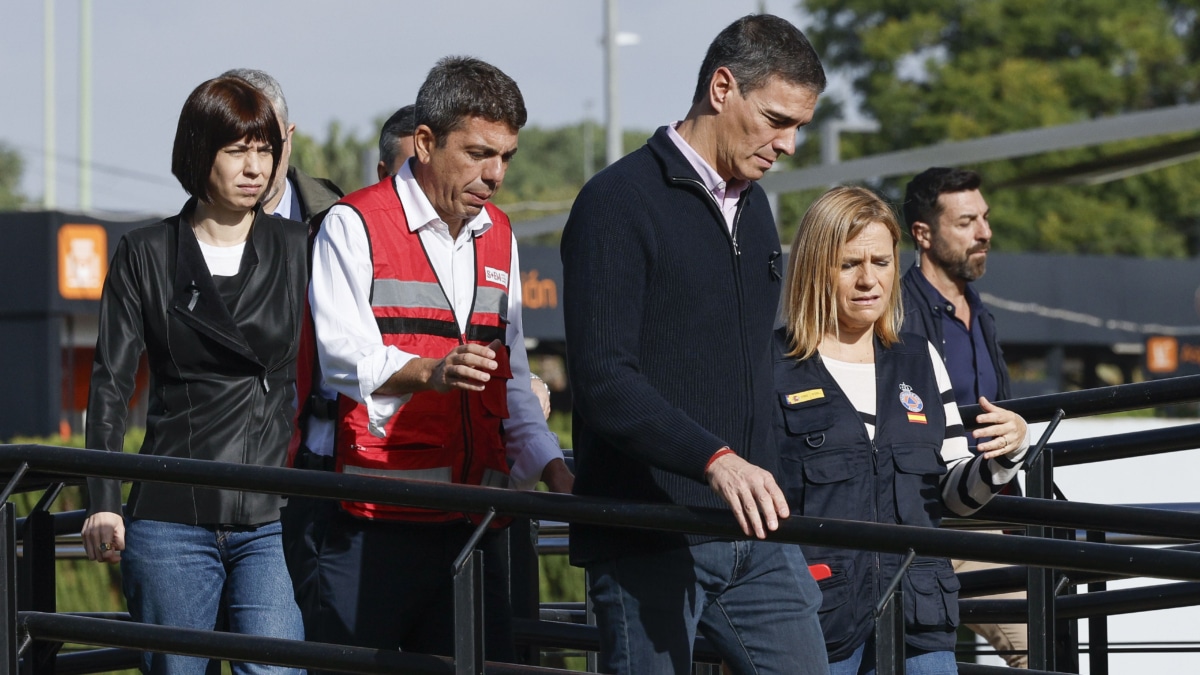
(268, 85)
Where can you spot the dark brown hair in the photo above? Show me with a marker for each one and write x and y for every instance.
(756, 48)
(219, 112)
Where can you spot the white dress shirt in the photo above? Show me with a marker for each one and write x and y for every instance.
(354, 360)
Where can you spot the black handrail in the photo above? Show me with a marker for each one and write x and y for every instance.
(1099, 400)
(1103, 517)
(820, 531)
(1102, 603)
(1124, 446)
(239, 647)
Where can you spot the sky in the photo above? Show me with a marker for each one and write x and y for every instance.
(352, 61)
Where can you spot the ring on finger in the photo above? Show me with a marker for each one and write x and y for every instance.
(105, 546)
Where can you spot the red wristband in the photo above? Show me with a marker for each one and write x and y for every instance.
(717, 455)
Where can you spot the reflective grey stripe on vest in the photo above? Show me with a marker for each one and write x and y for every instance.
(439, 474)
(492, 301)
(494, 479)
(396, 293)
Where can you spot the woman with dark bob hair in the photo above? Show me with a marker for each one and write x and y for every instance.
(869, 429)
(214, 298)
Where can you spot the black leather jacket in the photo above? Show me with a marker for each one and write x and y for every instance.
(221, 381)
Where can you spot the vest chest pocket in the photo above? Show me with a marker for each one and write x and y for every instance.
(931, 595)
(919, 469)
(805, 417)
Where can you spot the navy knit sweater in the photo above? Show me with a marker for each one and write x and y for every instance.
(668, 323)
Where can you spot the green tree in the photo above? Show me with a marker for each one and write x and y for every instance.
(11, 167)
(340, 157)
(945, 70)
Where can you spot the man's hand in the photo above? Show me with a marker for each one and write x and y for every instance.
(751, 493)
(465, 367)
(557, 477)
(104, 537)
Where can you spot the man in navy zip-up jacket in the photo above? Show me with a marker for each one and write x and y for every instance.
(671, 283)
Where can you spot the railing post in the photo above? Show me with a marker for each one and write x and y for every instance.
(889, 623)
(468, 603)
(523, 578)
(1097, 625)
(9, 640)
(36, 572)
(593, 658)
(1039, 482)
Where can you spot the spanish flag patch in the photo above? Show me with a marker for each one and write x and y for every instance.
(919, 418)
(802, 396)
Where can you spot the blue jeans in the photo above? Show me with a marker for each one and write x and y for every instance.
(188, 575)
(754, 600)
(918, 662)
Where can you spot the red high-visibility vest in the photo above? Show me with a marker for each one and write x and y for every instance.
(453, 437)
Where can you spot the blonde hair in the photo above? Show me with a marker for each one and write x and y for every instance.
(810, 290)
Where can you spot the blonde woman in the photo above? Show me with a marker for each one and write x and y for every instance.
(869, 430)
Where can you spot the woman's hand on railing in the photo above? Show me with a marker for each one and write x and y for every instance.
(104, 537)
(1006, 429)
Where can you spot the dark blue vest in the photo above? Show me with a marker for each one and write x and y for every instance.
(832, 469)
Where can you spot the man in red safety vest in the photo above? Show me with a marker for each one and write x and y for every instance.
(416, 304)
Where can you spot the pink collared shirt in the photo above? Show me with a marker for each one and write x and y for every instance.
(726, 193)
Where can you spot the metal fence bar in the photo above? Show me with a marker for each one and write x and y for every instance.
(9, 640)
(467, 571)
(1104, 603)
(1124, 446)
(889, 623)
(1106, 558)
(1098, 517)
(1098, 625)
(1100, 400)
(1039, 482)
(251, 648)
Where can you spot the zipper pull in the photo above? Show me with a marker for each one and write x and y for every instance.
(195, 298)
(265, 384)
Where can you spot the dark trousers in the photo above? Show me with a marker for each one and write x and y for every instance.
(389, 584)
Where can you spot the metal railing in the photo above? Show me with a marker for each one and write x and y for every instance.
(30, 630)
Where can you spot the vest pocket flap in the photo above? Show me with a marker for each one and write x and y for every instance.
(918, 458)
(835, 590)
(832, 467)
(839, 593)
(806, 417)
(931, 595)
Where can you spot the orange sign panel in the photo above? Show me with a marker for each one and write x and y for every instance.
(1162, 354)
(82, 261)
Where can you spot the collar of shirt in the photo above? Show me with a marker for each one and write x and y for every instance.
(727, 193)
(419, 212)
(284, 208)
(973, 299)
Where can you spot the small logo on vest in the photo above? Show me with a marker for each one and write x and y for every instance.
(496, 276)
(913, 404)
(803, 396)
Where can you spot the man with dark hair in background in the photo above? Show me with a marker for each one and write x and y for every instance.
(948, 219)
(671, 284)
(416, 298)
(396, 141)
